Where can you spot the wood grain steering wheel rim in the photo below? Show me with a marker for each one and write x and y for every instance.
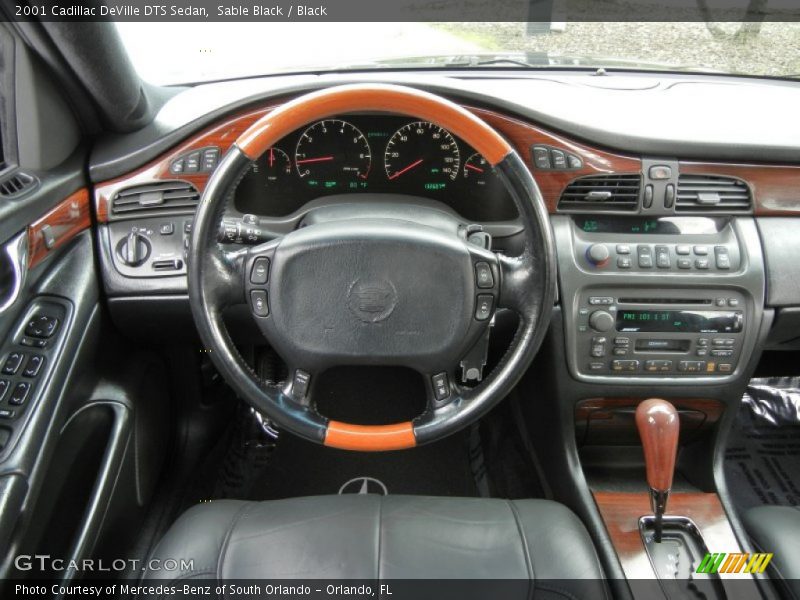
(527, 281)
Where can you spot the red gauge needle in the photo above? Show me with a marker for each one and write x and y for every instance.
(474, 168)
(272, 157)
(408, 168)
(318, 159)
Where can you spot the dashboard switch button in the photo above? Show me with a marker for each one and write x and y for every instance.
(483, 275)
(541, 157)
(441, 386)
(483, 308)
(259, 274)
(260, 303)
(20, 393)
(13, 363)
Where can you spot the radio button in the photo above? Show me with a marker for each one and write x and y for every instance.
(597, 366)
(691, 366)
(601, 300)
(684, 263)
(720, 301)
(702, 342)
(702, 352)
(725, 353)
(718, 342)
(658, 365)
(622, 341)
(624, 365)
(725, 367)
(734, 302)
(620, 351)
(598, 351)
(683, 249)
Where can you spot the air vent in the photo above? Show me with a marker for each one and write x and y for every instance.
(711, 193)
(602, 193)
(16, 184)
(155, 199)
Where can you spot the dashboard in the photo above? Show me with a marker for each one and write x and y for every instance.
(662, 272)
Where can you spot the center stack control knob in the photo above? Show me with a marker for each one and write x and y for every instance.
(598, 255)
(601, 320)
(134, 249)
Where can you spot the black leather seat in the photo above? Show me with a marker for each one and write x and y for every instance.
(372, 537)
(776, 529)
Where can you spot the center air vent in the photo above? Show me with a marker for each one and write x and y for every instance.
(155, 199)
(711, 193)
(602, 193)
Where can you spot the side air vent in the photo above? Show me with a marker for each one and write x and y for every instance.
(602, 193)
(155, 199)
(710, 193)
(16, 184)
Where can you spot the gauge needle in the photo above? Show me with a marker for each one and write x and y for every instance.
(408, 168)
(318, 159)
(474, 168)
(272, 157)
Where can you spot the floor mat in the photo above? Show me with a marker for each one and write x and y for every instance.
(762, 460)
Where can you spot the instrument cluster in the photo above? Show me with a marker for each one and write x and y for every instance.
(373, 153)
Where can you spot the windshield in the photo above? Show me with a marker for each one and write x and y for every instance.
(172, 53)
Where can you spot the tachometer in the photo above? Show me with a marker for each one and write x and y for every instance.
(331, 154)
(422, 153)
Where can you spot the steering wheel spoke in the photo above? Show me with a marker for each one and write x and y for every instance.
(517, 284)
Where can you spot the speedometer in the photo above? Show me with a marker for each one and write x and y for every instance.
(422, 153)
(331, 154)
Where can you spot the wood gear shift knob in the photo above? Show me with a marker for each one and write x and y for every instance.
(658, 424)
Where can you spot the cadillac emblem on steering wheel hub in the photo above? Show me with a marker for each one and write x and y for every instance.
(372, 300)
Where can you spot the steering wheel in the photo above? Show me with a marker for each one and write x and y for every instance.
(372, 289)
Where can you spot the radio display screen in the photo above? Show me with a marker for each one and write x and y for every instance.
(663, 225)
(689, 321)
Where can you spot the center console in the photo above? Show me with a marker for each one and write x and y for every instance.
(659, 300)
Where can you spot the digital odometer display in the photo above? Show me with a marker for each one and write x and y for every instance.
(690, 321)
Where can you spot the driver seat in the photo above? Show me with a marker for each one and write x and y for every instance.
(370, 537)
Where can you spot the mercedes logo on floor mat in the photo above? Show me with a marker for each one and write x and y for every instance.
(364, 485)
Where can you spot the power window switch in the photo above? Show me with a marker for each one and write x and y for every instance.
(34, 365)
(13, 363)
(20, 393)
(4, 385)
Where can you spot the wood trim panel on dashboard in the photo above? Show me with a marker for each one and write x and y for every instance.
(521, 136)
(65, 221)
(776, 188)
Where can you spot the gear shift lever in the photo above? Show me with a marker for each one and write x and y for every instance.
(658, 424)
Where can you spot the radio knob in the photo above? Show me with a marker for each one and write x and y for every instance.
(601, 320)
(598, 254)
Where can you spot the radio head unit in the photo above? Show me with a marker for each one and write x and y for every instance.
(691, 321)
(663, 334)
